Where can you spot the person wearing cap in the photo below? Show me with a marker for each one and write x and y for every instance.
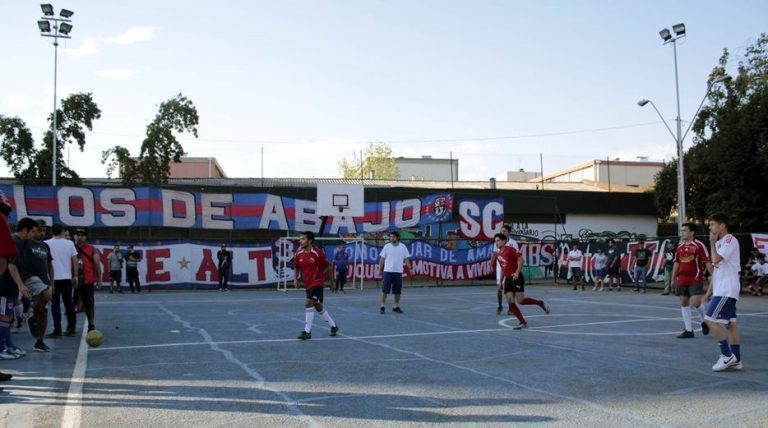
(65, 274)
(115, 261)
(90, 260)
(642, 259)
(8, 289)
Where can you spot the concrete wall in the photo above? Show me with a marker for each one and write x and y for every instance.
(427, 169)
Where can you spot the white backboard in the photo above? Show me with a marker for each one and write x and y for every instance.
(336, 200)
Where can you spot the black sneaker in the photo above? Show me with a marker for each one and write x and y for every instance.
(499, 310)
(704, 328)
(382, 310)
(398, 310)
(70, 331)
(546, 308)
(55, 334)
(5, 376)
(685, 335)
(91, 327)
(574, 288)
(334, 330)
(520, 327)
(41, 347)
(304, 335)
(33, 329)
(636, 290)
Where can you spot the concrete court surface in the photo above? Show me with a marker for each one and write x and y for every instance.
(210, 359)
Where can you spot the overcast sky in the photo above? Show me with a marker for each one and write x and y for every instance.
(494, 83)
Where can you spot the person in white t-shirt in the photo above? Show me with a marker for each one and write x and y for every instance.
(575, 257)
(506, 230)
(724, 292)
(64, 256)
(760, 275)
(391, 260)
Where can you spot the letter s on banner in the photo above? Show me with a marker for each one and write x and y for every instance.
(480, 219)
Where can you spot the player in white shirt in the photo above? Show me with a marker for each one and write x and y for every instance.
(506, 230)
(724, 292)
(392, 257)
(575, 257)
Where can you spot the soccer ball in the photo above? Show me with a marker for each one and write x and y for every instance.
(94, 338)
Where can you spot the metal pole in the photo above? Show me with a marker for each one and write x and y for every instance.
(541, 164)
(608, 158)
(262, 166)
(450, 155)
(680, 170)
(54, 146)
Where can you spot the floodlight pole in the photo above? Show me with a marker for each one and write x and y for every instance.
(680, 170)
(56, 36)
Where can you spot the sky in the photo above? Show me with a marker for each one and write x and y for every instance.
(492, 83)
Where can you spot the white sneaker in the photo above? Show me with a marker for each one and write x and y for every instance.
(5, 355)
(724, 363)
(737, 366)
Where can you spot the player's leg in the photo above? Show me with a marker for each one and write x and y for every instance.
(67, 294)
(697, 291)
(40, 312)
(325, 315)
(735, 338)
(397, 289)
(722, 311)
(309, 312)
(56, 309)
(386, 288)
(499, 289)
(685, 310)
(87, 295)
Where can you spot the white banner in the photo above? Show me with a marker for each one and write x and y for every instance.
(187, 263)
(760, 240)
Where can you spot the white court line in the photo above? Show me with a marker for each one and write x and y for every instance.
(254, 374)
(73, 408)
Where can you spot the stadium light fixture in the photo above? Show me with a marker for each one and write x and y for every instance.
(56, 28)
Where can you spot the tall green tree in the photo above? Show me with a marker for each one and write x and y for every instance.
(34, 165)
(160, 146)
(727, 168)
(377, 162)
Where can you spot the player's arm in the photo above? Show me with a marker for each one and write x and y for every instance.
(296, 272)
(674, 273)
(516, 274)
(14, 270)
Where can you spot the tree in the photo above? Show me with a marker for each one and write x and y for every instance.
(160, 146)
(727, 168)
(377, 163)
(32, 165)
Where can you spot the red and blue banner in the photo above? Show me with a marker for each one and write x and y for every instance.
(152, 206)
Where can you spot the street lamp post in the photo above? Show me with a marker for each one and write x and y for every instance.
(679, 137)
(57, 28)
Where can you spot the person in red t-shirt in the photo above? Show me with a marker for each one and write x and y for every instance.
(90, 258)
(311, 264)
(691, 259)
(511, 262)
(7, 252)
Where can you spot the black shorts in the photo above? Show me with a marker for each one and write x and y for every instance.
(614, 270)
(315, 293)
(115, 275)
(514, 286)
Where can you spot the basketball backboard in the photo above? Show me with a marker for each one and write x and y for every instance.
(337, 200)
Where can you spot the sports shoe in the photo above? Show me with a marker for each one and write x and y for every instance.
(520, 327)
(499, 310)
(574, 288)
(583, 288)
(704, 328)
(546, 308)
(594, 288)
(397, 310)
(685, 335)
(304, 335)
(334, 330)
(16, 351)
(724, 363)
(636, 290)
(6, 355)
(41, 347)
(5, 376)
(55, 334)
(382, 310)
(91, 327)
(737, 366)
(70, 331)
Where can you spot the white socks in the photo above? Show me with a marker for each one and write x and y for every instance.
(327, 318)
(309, 316)
(686, 310)
(18, 310)
(701, 311)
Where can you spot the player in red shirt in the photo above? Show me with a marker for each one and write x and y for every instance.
(313, 266)
(511, 262)
(691, 259)
(8, 289)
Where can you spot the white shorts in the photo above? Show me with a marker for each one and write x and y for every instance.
(36, 285)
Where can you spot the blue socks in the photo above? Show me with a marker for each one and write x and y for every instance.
(736, 349)
(724, 348)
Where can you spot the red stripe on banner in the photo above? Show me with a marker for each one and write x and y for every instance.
(178, 209)
(408, 213)
(40, 204)
(244, 210)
